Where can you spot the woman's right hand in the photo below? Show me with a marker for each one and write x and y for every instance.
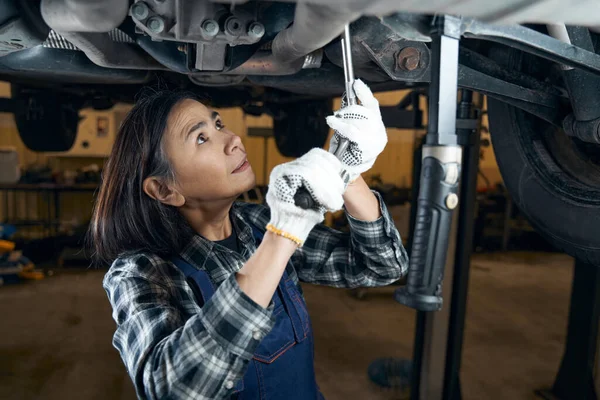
(318, 171)
(362, 125)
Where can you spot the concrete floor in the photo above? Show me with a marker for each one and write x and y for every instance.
(55, 334)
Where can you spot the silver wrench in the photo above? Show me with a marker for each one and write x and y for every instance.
(349, 82)
(303, 199)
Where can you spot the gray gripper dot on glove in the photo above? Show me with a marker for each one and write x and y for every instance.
(353, 116)
(287, 187)
(361, 124)
(352, 156)
(317, 172)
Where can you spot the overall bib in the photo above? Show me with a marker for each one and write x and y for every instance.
(283, 364)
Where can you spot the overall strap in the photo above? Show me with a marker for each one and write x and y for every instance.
(198, 280)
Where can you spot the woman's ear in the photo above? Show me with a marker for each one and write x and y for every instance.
(157, 189)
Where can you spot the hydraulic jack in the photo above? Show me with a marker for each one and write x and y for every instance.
(440, 172)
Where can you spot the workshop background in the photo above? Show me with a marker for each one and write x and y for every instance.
(55, 320)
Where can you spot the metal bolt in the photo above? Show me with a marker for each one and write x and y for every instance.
(210, 27)
(408, 59)
(233, 26)
(156, 24)
(140, 10)
(256, 30)
(451, 201)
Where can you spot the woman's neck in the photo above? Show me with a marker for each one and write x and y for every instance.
(210, 220)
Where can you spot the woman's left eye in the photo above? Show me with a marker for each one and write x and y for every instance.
(201, 139)
(220, 125)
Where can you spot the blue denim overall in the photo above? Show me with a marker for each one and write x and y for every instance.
(283, 364)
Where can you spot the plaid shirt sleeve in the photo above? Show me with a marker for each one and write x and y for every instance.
(370, 255)
(171, 353)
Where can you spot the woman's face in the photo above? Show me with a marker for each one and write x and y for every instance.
(209, 161)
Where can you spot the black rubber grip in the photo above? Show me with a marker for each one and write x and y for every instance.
(303, 199)
(430, 238)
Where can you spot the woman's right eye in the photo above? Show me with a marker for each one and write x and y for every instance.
(201, 139)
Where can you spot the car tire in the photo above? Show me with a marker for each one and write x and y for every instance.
(46, 121)
(301, 126)
(551, 177)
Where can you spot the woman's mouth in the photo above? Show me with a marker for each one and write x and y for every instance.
(244, 165)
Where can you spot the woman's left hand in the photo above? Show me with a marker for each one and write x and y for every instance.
(319, 173)
(363, 127)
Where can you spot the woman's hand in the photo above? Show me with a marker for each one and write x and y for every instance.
(363, 127)
(318, 171)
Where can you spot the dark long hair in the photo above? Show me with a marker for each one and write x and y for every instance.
(125, 219)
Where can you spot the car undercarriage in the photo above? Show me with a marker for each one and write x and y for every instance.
(537, 62)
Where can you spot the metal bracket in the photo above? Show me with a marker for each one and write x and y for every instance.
(409, 61)
(210, 56)
(391, 55)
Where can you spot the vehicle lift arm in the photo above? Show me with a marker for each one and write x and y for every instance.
(437, 243)
(440, 172)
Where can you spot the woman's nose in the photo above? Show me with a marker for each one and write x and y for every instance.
(234, 142)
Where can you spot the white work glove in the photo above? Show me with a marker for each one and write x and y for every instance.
(363, 127)
(319, 172)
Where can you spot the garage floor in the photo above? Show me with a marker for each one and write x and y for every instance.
(55, 334)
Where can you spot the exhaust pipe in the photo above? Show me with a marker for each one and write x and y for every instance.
(264, 63)
(314, 27)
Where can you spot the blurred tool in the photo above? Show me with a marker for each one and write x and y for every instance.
(303, 199)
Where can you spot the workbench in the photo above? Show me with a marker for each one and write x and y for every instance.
(40, 214)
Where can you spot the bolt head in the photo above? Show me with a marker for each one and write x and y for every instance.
(451, 201)
(411, 63)
(140, 10)
(256, 29)
(408, 59)
(210, 27)
(156, 24)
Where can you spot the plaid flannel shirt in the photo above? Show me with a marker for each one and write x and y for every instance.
(173, 348)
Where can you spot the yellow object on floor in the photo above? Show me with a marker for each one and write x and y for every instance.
(29, 272)
(33, 275)
(6, 246)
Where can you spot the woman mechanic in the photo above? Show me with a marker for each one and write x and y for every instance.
(204, 289)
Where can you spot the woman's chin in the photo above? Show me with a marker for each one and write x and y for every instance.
(249, 181)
